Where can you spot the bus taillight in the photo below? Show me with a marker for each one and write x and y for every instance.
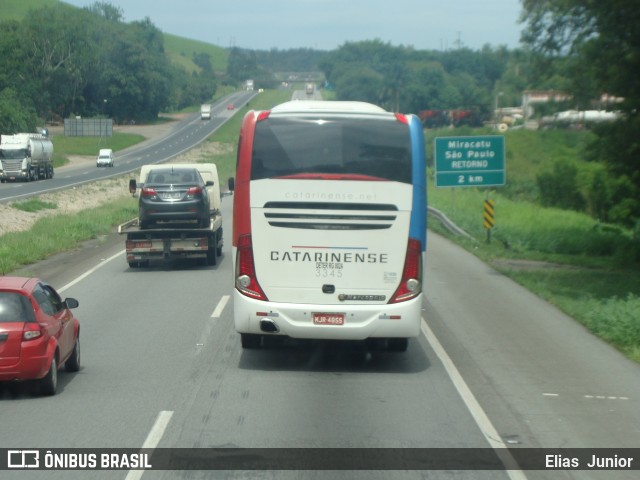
(246, 281)
(411, 283)
(263, 115)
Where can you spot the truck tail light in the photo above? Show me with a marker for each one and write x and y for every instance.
(246, 281)
(411, 282)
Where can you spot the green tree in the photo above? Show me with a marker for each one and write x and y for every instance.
(559, 188)
(598, 43)
(361, 84)
(15, 117)
(600, 196)
(14, 71)
(61, 60)
(242, 65)
(401, 78)
(137, 82)
(203, 60)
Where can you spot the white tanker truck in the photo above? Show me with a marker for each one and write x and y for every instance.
(25, 156)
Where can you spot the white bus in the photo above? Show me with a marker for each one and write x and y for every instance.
(329, 223)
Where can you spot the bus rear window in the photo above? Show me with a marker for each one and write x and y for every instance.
(333, 145)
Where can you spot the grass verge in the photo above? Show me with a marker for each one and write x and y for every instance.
(64, 146)
(588, 270)
(62, 232)
(34, 205)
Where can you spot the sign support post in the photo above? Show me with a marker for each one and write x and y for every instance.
(487, 217)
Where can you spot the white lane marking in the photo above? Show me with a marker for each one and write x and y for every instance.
(221, 304)
(482, 420)
(153, 439)
(603, 397)
(551, 394)
(157, 431)
(89, 272)
(206, 333)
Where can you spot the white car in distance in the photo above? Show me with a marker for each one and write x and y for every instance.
(105, 158)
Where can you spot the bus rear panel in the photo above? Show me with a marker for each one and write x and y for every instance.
(329, 223)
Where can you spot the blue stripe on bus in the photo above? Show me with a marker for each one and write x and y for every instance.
(418, 225)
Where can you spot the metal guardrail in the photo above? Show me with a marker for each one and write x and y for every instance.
(448, 224)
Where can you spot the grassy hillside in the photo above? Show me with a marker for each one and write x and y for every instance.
(180, 50)
(17, 9)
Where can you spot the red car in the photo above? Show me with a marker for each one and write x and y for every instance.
(230, 106)
(38, 333)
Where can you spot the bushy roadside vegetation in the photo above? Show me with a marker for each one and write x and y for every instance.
(527, 228)
(585, 267)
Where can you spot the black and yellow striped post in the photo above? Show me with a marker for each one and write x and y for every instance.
(487, 217)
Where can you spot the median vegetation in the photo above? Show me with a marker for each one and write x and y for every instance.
(64, 146)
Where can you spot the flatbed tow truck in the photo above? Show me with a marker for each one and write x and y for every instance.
(172, 241)
(176, 239)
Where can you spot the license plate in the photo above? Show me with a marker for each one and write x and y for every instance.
(328, 318)
(171, 195)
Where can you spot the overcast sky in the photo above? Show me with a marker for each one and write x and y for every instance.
(327, 24)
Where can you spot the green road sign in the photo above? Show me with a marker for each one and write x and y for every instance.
(470, 161)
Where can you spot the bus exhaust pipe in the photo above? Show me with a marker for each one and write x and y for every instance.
(269, 326)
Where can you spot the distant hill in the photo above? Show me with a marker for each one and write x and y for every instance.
(17, 9)
(180, 50)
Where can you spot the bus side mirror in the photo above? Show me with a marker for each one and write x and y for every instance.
(232, 184)
(132, 186)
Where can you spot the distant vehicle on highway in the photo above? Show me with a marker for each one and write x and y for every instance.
(174, 193)
(205, 111)
(26, 157)
(329, 224)
(105, 158)
(38, 333)
(171, 240)
(230, 106)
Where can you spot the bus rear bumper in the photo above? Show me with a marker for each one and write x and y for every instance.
(328, 322)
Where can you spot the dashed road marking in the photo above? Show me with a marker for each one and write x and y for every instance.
(605, 397)
(153, 439)
(220, 307)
